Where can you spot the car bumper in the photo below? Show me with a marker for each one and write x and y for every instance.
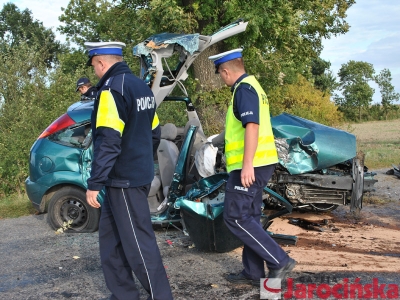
(35, 193)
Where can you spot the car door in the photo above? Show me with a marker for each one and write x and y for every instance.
(85, 164)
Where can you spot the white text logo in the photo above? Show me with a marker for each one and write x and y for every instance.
(241, 188)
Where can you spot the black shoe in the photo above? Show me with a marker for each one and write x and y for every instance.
(241, 279)
(281, 273)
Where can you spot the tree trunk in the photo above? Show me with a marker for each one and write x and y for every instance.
(204, 69)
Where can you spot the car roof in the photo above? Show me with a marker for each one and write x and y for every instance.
(81, 111)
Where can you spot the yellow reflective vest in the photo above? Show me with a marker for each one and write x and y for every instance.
(156, 122)
(266, 153)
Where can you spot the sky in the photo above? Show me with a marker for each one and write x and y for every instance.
(374, 35)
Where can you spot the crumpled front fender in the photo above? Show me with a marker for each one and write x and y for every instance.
(306, 146)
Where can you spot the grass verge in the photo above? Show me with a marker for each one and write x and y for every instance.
(379, 140)
(15, 206)
(380, 154)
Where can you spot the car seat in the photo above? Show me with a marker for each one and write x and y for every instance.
(167, 154)
(201, 138)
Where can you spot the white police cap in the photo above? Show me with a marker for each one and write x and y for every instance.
(103, 48)
(226, 56)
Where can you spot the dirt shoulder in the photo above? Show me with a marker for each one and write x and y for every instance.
(38, 264)
(346, 244)
(368, 242)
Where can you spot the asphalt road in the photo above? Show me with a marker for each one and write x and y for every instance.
(36, 263)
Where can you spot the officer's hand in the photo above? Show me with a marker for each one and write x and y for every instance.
(91, 198)
(247, 176)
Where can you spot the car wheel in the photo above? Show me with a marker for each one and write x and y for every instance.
(69, 204)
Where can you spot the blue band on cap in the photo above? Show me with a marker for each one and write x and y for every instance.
(105, 51)
(227, 58)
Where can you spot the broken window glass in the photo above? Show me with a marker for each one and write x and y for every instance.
(73, 136)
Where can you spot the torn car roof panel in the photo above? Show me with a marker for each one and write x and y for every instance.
(190, 42)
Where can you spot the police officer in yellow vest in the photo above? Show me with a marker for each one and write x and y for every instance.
(250, 157)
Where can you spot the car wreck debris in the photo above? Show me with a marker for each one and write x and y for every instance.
(321, 226)
(189, 185)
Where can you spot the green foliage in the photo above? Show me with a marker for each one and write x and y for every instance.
(172, 112)
(17, 105)
(374, 112)
(85, 20)
(19, 26)
(384, 81)
(167, 15)
(303, 100)
(282, 36)
(323, 77)
(32, 97)
(378, 112)
(73, 60)
(353, 84)
(94, 21)
(393, 113)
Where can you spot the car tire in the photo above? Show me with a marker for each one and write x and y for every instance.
(69, 204)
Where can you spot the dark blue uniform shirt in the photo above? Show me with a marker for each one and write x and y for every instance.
(245, 102)
(127, 160)
(90, 93)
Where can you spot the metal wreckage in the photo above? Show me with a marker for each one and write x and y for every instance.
(318, 168)
(313, 172)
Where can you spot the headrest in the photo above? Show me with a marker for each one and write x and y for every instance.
(169, 132)
(194, 122)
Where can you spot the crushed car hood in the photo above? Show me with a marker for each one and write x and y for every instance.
(306, 146)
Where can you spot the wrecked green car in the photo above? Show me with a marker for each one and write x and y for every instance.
(313, 172)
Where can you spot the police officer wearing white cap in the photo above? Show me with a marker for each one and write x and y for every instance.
(250, 157)
(123, 162)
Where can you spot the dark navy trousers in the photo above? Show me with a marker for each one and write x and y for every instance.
(128, 243)
(242, 213)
